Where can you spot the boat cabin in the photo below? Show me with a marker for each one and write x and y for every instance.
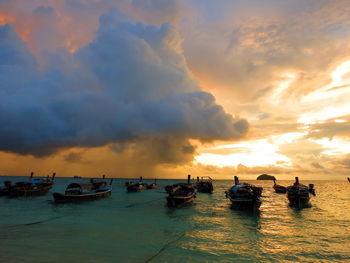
(78, 189)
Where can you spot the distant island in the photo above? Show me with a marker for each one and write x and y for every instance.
(265, 177)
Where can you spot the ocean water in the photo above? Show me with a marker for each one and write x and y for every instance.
(139, 227)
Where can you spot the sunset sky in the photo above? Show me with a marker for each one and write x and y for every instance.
(164, 88)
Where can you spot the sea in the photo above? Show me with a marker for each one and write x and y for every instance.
(139, 227)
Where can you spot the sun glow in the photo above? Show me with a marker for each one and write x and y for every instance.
(335, 146)
(253, 153)
(287, 80)
(331, 101)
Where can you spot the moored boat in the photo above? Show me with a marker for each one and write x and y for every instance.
(78, 192)
(180, 193)
(205, 185)
(299, 194)
(31, 187)
(152, 185)
(244, 195)
(135, 187)
(279, 188)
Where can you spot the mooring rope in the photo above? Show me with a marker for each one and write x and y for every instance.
(36, 222)
(164, 247)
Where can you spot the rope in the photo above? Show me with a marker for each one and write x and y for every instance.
(163, 248)
(37, 222)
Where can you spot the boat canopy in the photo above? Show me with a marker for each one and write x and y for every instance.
(239, 185)
(35, 181)
(81, 186)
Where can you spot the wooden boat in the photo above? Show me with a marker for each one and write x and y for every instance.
(279, 188)
(244, 195)
(299, 194)
(78, 192)
(32, 187)
(181, 193)
(6, 189)
(135, 187)
(205, 185)
(152, 185)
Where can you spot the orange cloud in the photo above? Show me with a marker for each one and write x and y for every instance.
(6, 19)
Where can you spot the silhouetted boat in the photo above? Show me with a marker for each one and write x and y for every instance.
(77, 192)
(299, 194)
(349, 179)
(135, 187)
(152, 185)
(279, 188)
(180, 193)
(205, 185)
(244, 195)
(32, 187)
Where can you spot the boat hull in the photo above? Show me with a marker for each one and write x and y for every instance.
(4, 191)
(65, 198)
(280, 189)
(205, 188)
(298, 200)
(244, 203)
(151, 186)
(29, 192)
(133, 188)
(174, 201)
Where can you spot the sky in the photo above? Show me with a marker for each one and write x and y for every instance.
(166, 88)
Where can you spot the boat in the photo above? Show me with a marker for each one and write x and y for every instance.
(299, 194)
(31, 187)
(205, 185)
(152, 185)
(180, 193)
(78, 192)
(279, 188)
(135, 187)
(244, 195)
(4, 191)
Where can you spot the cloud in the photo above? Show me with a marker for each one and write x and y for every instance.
(333, 127)
(131, 82)
(252, 49)
(344, 162)
(73, 157)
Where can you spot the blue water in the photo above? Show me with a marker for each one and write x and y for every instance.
(139, 227)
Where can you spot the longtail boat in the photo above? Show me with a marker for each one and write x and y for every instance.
(279, 188)
(31, 187)
(78, 192)
(244, 195)
(180, 193)
(152, 185)
(299, 194)
(135, 187)
(205, 185)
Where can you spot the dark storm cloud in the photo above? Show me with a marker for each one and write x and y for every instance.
(130, 83)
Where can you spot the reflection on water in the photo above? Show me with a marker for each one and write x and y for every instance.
(137, 227)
